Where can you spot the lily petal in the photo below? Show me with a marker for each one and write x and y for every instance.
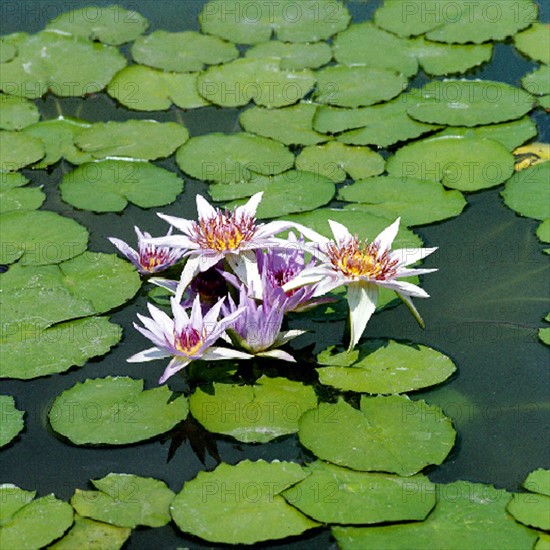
(174, 366)
(151, 354)
(340, 232)
(277, 354)
(362, 299)
(407, 256)
(204, 209)
(386, 238)
(249, 209)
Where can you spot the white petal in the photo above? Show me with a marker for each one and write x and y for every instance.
(185, 226)
(174, 241)
(362, 300)
(190, 269)
(174, 366)
(164, 322)
(205, 210)
(167, 284)
(245, 267)
(413, 272)
(277, 354)
(196, 313)
(386, 238)
(404, 287)
(407, 256)
(286, 336)
(320, 240)
(126, 249)
(272, 228)
(181, 319)
(150, 354)
(306, 277)
(249, 209)
(217, 354)
(341, 232)
(152, 328)
(408, 302)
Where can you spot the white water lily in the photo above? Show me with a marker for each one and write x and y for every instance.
(363, 268)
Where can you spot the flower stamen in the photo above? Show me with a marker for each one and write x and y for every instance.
(188, 341)
(224, 231)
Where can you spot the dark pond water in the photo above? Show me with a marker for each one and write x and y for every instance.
(488, 299)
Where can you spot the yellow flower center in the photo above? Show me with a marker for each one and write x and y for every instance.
(224, 231)
(188, 341)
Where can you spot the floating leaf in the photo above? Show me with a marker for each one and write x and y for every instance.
(467, 164)
(261, 80)
(531, 509)
(538, 81)
(543, 231)
(417, 202)
(27, 524)
(29, 351)
(357, 86)
(471, 515)
(18, 150)
(115, 411)
(389, 434)
(527, 192)
(253, 414)
(40, 238)
(289, 125)
(182, 52)
(470, 103)
(7, 51)
(63, 64)
(109, 24)
(538, 481)
(246, 23)
(531, 154)
(331, 494)
(241, 504)
(12, 418)
(87, 533)
(534, 42)
(293, 56)
(230, 158)
(543, 542)
(334, 160)
(12, 197)
(109, 185)
(126, 139)
(544, 334)
(144, 89)
(126, 500)
(17, 112)
(384, 366)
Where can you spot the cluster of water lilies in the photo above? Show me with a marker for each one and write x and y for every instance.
(240, 279)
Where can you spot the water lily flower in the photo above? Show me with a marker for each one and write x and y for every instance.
(363, 268)
(149, 258)
(185, 338)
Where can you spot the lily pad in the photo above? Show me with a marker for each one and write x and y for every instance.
(253, 414)
(87, 533)
(334, 160)
(126, 139)
(251, 23)
(543, 231)
(534, 42)
(28, 524)
(109, 24)
(227, 158)
(7, 51)
(18, 150)
(293, 56)
(331, 494)
(241, 504)
(538, 481)
(289, 125)
(417, 202)
(126, 501)
(538, 81)
(17, 112)
(384, 367)
(470, 103)
(261, 80)
(357, 86)
(182, 52)
(115, 411)
(527, 192)
(389, 434)
(12, 418)
(62, 64)
(479, 507)
(109, 185)
(531, 509)
(466, 164)
(13, 197)
(145, 89)
(40, 238)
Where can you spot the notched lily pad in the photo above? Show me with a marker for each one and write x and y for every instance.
(534, 42)
(11, 417)
(17, 112)
(13, 195)
(19, 150)
(531, 509)
(543, 231)
(293, 56)
(538, 81)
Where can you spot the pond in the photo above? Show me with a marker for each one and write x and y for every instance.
(487, 302)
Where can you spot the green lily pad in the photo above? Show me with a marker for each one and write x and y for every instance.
(417, 202)
(357, 86)
(538, 81)
(7, 51)
(261, 80)
(289, 125)
(12, 418)
(246, 23)
(17, 112)
(253, 414)
(241, 504)
(87, 533)
(12, 197)
(527, 192)
(544, 102)
(531, 509)
(466, 164)
(182, 52)
(543, 231)
(389, 434)
(28, 524)
(384, 366)
(534, 42)
(63, 64)
(227, 158)
(293, 56)
(126, 500)
(109, 24)
(29, 351)
(470, 103)
(145, 89)
(109, 185)
(18, 150)
(125, 139)
(331, 494)
(538, 481)
(334, 160)
(40, 238)
(467, 515)
(544, 333)
(543, 542)
(115, 411)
